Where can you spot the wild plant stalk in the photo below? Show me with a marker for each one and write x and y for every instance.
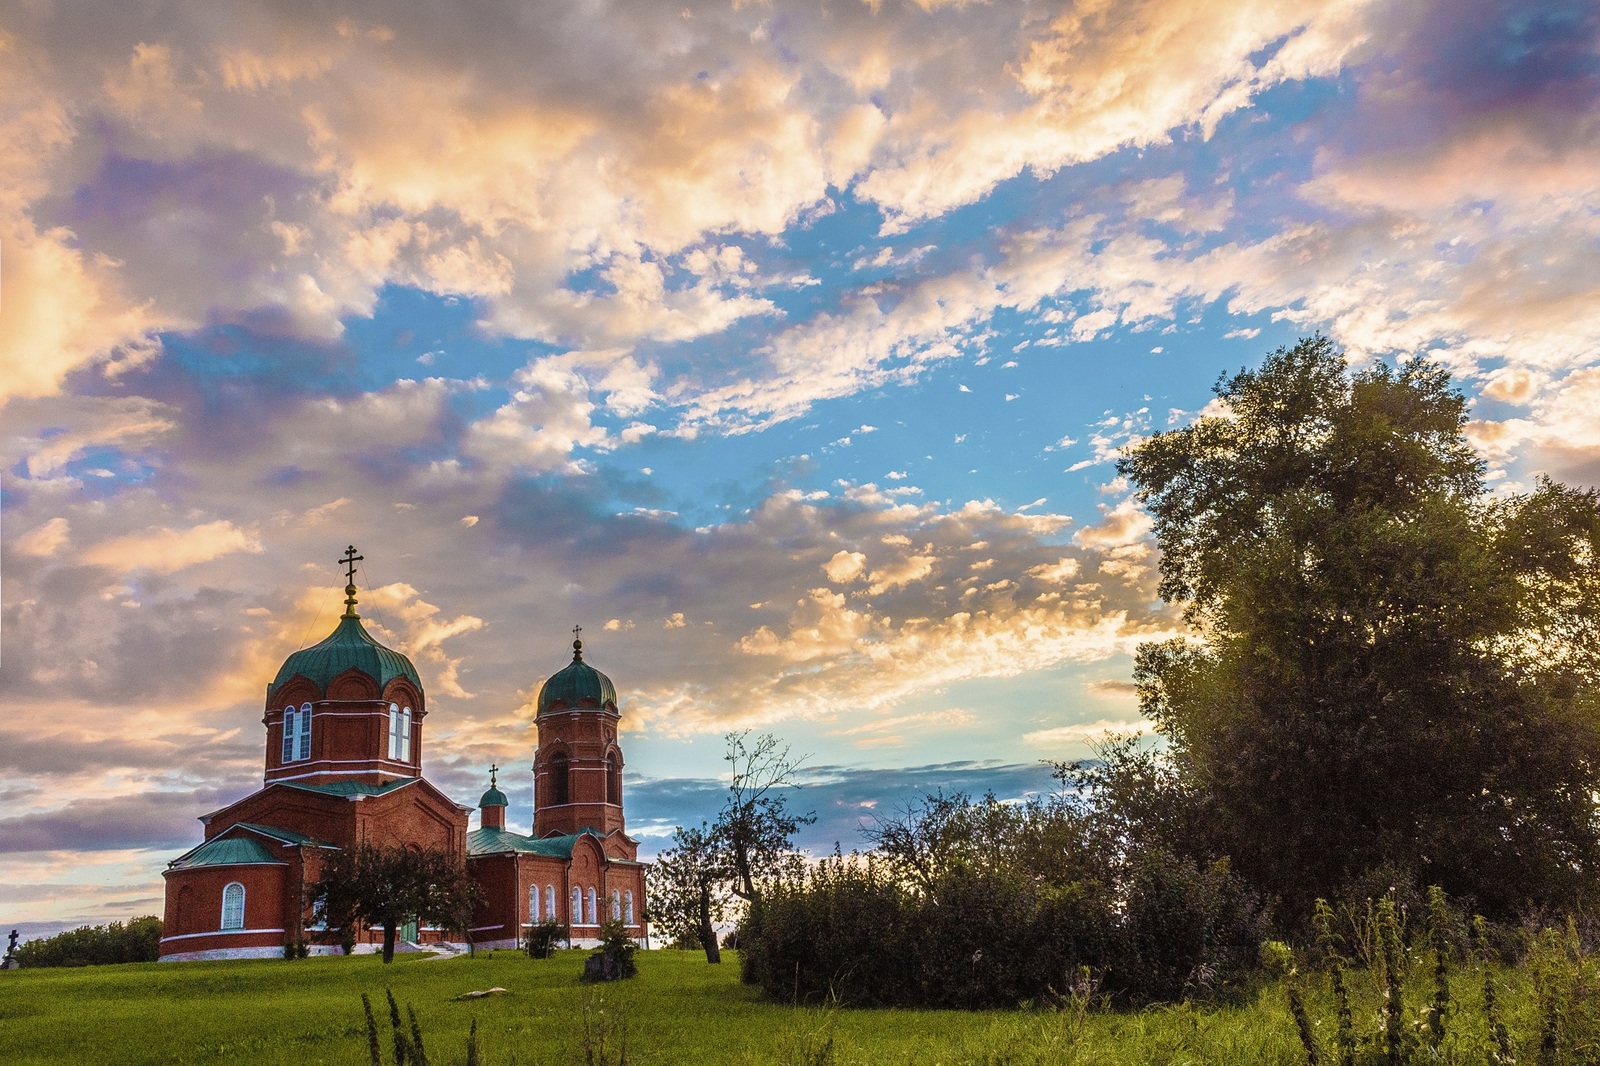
(1438, 933)
(401, 1045)
(374, 1052)
(1394, 1008)
(1302, 1021)
(419, 1053)
(1330, 942)
(1501, 1054)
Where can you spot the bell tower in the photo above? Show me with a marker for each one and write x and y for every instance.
(577, 766)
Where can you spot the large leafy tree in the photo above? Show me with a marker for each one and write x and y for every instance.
(387, 887)
(1395, 674)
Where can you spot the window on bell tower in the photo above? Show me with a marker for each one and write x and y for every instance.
(558, 780)
(613, 780)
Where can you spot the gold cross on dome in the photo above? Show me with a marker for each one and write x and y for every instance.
(350, 560)
(492, 771)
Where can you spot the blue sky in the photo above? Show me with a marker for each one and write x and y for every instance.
(787, 348)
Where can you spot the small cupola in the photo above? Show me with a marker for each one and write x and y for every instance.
(492, 805)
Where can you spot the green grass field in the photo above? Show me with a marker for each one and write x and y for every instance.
(678, 1010)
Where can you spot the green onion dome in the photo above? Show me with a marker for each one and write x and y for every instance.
(575, 683)
(349, 645)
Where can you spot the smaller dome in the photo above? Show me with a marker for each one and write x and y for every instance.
(576, 682)
(494, 798)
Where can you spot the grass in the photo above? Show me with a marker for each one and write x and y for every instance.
(678, 1010)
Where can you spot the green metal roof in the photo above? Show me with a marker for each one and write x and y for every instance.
(494, 798)
(287, 836)
(503, 841)
(349, 645)
(350, 788)
(576, 682)
(233, 851)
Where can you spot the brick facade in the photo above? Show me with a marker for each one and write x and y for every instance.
(348, 772)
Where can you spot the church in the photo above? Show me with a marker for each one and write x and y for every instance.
(344, 730)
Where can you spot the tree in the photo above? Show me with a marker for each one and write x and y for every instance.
(1394, 673)
(698, 881)
(756, 827)
(389, 886)
(689, 889)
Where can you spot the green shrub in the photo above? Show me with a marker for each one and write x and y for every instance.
(542, 940)
(137, 941)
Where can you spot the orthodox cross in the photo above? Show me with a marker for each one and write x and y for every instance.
(577, 643)
(492, 771)
(350, 560)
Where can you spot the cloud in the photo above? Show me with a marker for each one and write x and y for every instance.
(45, 540)
(844, 566)
(1084, 735)
(166, 550)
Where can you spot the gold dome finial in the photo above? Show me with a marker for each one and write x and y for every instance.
(350, 560)
(577, 644)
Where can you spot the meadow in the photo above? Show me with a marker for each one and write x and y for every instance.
(678, 1010)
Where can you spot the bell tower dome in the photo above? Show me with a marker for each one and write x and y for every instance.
(577, 767)
(346, 709)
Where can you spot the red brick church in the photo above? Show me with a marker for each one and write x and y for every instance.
(344, 721)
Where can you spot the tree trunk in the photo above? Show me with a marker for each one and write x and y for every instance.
(389, 931)
(708, 935)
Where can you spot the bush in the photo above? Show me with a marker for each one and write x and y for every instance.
(854, 933)
(137, 941)
(542, 940)
(613, 961)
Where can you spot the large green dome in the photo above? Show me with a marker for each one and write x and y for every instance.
(347, 646)
(576, 682)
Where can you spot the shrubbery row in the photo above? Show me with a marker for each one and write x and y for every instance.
(137, 941)
(852, 932)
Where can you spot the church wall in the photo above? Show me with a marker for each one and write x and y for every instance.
(327, 818)
(412, 816)
(494, 923)
(192, 927)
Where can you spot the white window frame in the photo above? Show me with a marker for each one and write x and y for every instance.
(297, 733)
(394, 729)
(550, 903)
(533, 905)
(593, 912)
(232, 909)
(627, 905)
(576, 915)
(405, 735)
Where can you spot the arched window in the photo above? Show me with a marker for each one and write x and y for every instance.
(613, 779)
(233, 906)
(549, 903)
(627, 906)
(558, 779)
(593, 913)
(399, 733)
(575, 916)
(533, 905)
(616, 906)
(297, 733)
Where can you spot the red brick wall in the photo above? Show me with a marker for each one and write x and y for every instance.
(199, 910)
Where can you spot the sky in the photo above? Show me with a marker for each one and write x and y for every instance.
(787, 348)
